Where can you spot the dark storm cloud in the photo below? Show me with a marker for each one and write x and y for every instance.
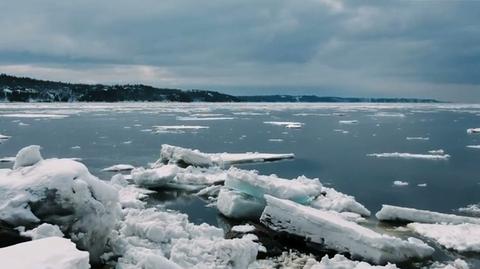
(376, 48)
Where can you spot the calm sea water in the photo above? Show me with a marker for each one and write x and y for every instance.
(110, 134)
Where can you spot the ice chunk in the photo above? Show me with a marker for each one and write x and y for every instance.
(239, 205)
(410, 156)
(396, 213)
(64, 193)
(336, 233)
(167, 240)
(177, 128)
(246, 228)
(460, 237)
(203, 118)
(473, 146)
(235, 253)
(27, 156)
(301, 190)
(456, 264)
(473, 130)
(473, 210)
(341, 262)
(4, 137)
(173, 154)
(417, 138)
(337, 201)
(400, 183)
(118, 168)
(51, 253)
(348, 121)
(130, 196)
(286, 124)
(43, 231)
(156, 177)
(389, 114)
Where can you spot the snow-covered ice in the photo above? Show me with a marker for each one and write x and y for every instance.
(155, 177)
(174, 154)
(460, 237)
(472, 210)
(405, 214)
(47, 253)
(246, 228)
(400, 155)
(7, 159)
(331, 199)
(336, 233)
(118, 168)
(341, 262)
(44, 230)
(27, 156)
(61, 192)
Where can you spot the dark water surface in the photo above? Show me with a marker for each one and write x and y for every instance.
(110, 134)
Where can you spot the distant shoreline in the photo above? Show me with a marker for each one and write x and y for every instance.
(24, 89)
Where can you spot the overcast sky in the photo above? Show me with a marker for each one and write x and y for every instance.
(324, 47)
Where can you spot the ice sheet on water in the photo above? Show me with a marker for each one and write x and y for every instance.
(174, 154)
(118, 168)
(400, 155)
(405, 214)
(336, 233)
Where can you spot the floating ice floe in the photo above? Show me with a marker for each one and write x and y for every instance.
(473, 146)
(460, 237)
(130, 196)
(31, 115)
(348, 121)
(401, 155)
(119, 168)
(51, 253)
(204, 118)
(405, 214)
(422, 185)
(341, 262)
(76, 147)
(177, 128)
(437, 151)
(400, 183)
(417, 138)
(275, 140)
(336, 233)
(173, 154)
(7, 159)
(473, 130)
(4, 137)
(389, 114)
(61, 192)
(286, 124)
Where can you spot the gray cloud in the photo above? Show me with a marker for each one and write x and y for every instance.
(361, 48)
